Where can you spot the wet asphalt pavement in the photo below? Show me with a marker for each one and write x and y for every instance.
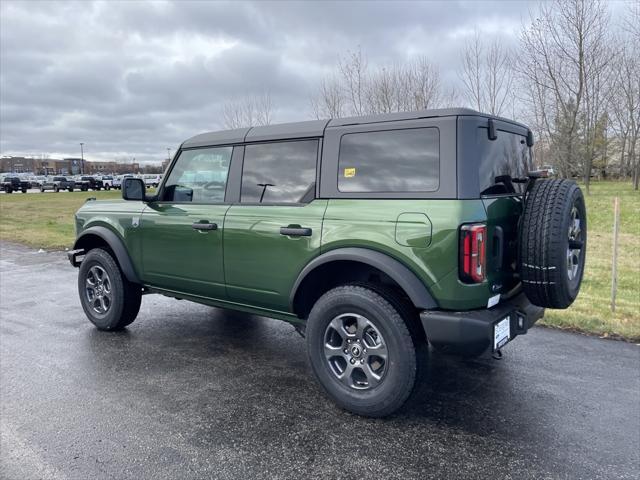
(189, 391)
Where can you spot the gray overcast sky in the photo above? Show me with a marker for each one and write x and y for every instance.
(130, 79)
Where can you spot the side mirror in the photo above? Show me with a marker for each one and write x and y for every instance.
(133, 189)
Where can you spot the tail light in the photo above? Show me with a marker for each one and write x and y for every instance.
(473, 241)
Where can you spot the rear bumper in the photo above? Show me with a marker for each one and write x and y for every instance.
(472, 332)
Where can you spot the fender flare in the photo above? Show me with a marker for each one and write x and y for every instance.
(408, 281)
(117, 246)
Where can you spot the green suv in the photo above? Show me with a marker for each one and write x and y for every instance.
(374, 236)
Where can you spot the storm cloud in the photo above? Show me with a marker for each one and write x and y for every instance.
(130, 79)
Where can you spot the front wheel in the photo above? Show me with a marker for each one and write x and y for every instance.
(108, 299)
(361, 350)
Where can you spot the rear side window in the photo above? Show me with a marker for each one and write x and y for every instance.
(282, 172)
(390, 161)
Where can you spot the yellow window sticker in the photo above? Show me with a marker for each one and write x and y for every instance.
(349, 172)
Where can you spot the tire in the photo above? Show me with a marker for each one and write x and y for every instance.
(8, 190)
(24, 190)
(56, 189)
(553, 242)
(386, 320)
(121, 307)
(41, 190)
(71, 189)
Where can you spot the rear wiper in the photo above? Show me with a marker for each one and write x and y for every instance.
(507, 181)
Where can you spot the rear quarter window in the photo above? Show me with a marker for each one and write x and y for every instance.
(406, 160)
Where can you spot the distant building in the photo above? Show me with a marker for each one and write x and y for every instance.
(34, 165)
(70, 166)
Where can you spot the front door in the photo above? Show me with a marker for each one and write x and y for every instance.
(182, 231)
(276, 228)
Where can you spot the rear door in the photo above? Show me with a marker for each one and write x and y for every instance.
(276, 228)
(182, 231)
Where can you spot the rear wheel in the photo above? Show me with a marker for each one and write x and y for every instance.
(24, 190)
(361, 350)
(553, 242)
(56, 189)
(41, 189)
(108, 299)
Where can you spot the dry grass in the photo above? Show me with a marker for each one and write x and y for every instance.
(46, 221)
(43, 220)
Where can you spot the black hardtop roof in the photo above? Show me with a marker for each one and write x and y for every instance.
(316, 128)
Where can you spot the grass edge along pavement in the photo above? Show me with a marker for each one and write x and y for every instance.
(45, 220)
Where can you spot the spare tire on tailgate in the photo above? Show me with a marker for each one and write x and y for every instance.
(552, 243)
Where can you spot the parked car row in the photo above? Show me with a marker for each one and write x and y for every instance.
(14, 184)
(17, 183)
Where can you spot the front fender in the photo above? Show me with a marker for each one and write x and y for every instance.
(116, 244)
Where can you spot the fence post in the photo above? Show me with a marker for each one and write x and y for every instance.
(614, 259)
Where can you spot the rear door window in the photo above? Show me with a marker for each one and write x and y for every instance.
(279, 172)
(405, 160)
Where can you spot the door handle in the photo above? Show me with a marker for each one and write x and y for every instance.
(291, 231)
(204, 226)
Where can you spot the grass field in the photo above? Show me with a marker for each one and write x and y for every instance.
(43, 220)
(592, 312)
(46, 221)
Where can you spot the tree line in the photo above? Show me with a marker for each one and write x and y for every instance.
(574, 78)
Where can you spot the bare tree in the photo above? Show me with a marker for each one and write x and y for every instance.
(471, 75)
(248, 111)
(487, 75)
(357, 89)
(626, 102)
(566, 69)
(353, 68)
(330, 101)
(406, 87)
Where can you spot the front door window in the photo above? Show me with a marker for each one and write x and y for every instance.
(199, 176)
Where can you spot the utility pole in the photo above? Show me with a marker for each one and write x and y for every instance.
(81, 158)
(168, 154)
